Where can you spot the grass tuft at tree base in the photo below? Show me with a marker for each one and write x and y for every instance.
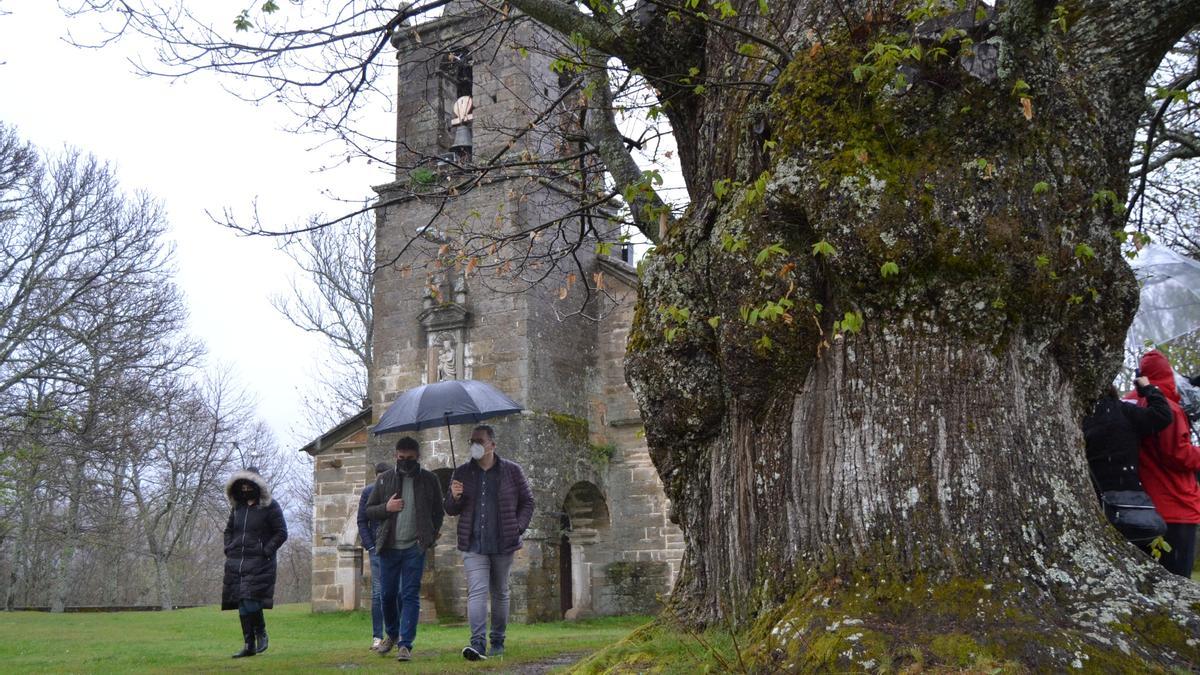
(658, 647)
(204, 638)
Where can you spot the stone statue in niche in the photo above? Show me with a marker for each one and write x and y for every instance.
(446, 366)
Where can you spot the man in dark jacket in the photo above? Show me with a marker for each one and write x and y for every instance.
(406, 503)
(254, 533)
(366, 534)
(494, 504)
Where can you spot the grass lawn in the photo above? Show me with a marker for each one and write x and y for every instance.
(203, 639)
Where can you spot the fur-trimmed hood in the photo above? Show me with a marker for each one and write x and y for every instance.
(264, 490)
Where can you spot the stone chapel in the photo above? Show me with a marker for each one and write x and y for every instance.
(601, 541)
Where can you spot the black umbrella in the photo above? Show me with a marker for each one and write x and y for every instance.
(446, 402)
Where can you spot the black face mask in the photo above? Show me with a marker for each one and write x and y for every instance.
(407, 466)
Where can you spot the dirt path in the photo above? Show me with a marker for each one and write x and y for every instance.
(539, 667)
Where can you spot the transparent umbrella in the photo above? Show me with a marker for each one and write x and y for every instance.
(1170, 297)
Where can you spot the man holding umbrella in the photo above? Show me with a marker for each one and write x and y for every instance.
(494, 503)
(406, 502)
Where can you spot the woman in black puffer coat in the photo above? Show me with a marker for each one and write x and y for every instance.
(254, 533)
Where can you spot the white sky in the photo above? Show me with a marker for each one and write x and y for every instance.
(195, 147)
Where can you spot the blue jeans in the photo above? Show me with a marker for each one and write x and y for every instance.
(400, 572)
(376, 598)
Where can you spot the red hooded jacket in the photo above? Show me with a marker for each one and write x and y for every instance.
(1168, 461)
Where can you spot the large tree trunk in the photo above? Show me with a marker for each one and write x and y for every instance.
(162, 576)
(864, 494)
(64, 561)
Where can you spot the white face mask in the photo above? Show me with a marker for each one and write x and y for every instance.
(476, 451)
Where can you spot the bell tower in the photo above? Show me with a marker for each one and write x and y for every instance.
(488, 269)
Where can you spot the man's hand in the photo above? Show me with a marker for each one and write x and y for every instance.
(395, 504)
(1142, 381)
(456, 489)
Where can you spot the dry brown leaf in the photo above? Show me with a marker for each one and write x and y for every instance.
(562, 293)
(571, 279)
(598, 279)
(1027, 107)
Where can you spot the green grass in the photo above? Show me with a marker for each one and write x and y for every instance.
(203, 639)
(658, 648)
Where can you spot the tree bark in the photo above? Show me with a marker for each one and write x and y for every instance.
(69, 542)
(900, 296)
(162, 577)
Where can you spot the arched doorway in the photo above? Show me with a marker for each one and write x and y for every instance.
(584, 525)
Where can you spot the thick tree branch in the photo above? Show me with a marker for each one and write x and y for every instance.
(647, 208)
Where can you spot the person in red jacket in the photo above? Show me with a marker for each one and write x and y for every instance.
(1167, 466)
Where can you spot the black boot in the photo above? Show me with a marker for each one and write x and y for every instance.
(260, 632)
(247, 636)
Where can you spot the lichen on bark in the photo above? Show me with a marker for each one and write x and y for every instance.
(934, 447)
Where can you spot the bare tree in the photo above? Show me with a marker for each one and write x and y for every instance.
(1165, 169)
(333, 300)
(178, 455)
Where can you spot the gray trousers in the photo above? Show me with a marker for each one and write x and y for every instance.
(487, 575)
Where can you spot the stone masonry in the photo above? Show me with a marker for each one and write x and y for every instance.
(601, 540)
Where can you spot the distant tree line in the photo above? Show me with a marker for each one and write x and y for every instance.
(115, 440)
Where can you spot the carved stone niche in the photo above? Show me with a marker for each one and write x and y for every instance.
(445, 326)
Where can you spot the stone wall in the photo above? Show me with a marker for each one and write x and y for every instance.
(339, 474)
(600, 540)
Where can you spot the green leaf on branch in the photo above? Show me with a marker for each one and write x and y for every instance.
(1060, 17)
(1176, 95)
(824, 248)
(721, 187)
(769, 252)
(733, 244)
(1101, 198)
(269, 7)
(852, 322)
(714, 321)
(748, 49)
(725, 8)
(889, 269)
(242, 21)
(679, 258)
(1084, 252)
(1041, 187)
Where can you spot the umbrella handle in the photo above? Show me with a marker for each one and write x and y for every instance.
(453, 460)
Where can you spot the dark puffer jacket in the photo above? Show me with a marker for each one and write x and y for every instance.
(252, 536)
(427, 493)
(516, 503)
(1112, 433)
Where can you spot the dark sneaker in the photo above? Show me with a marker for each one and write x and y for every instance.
(385, 646)
(495, 650)
(472, 654)
(403, 653)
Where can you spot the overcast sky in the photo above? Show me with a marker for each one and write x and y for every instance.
(195, 147)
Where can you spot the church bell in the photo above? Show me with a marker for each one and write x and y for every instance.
(462, 139)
